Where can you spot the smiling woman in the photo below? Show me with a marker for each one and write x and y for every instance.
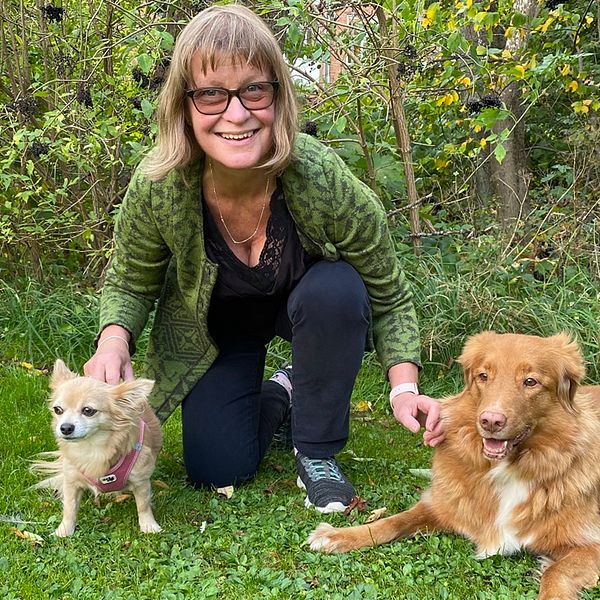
(243, 230)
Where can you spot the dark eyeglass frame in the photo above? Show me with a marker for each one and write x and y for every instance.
(232, 93)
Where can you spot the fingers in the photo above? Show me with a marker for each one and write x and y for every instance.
(110, 365)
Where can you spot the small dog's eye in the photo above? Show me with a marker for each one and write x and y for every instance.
(88, 411)
(483, 377)
(57, 410)
(530, 382)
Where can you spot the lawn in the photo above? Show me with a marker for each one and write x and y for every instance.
(249, 546)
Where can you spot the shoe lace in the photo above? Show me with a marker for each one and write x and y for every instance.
(319, 469)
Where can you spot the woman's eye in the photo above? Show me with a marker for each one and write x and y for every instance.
(88, 411)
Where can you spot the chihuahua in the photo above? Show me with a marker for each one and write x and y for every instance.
(108, 439)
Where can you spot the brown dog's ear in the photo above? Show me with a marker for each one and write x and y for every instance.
(472, 351)
(570, 368)
(60, 374)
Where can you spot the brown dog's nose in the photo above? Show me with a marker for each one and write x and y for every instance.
(492, 421)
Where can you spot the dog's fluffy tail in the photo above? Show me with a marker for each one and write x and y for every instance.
(53, 469)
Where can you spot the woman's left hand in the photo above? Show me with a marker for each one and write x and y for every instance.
(416, 411)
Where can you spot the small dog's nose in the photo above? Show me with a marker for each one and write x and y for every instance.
(492, 421)
(67, 428)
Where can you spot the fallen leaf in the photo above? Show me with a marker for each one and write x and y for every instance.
(226, 491)
(202, 527)
(35, 539)
(278, 468)
(160, 484)
(376, 514)
(356, 502)
(121, 498)
(421, 473)
(269, 489)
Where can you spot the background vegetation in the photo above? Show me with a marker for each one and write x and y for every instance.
(477, 124)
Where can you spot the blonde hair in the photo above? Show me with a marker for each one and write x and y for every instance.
(232, 32)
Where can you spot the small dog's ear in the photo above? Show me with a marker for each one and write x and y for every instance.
(60, 374)
(571, 370)
(132, 393)
(472, 351)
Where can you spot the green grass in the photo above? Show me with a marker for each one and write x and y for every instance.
(253, 545)
(250, 546)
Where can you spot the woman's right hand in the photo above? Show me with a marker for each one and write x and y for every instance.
(111, 362)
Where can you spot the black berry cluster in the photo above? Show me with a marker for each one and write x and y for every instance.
(84, 96)
(310, 127)
(488, 101)
(140, 77)
(407, 63)
(38, 148)
(54, 14)
(136, 102)
(552, 4)
(26, 106)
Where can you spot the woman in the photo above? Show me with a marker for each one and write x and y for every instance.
(243, 230)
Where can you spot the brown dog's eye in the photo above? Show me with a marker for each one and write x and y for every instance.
(88, 411)
(57, 410)
(530, 382)
(483, 377)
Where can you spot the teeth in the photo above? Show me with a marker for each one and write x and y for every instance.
(237, 136)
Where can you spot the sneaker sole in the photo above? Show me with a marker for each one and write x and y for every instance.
(332, 507)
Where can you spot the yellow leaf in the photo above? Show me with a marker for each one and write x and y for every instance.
(160, 484)
(506, 54)
(27, 535)
(572, 86)
(477, 128)
(508, 32)
(27, 365)
(363, 406)
(426, 22)
(589, 19)
(520, 69)
(483, 142)
(376, 514)
(543, 28)
(565, 70)
(465, 81)
(441, 163)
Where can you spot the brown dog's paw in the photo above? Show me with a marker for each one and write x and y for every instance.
(326, 538)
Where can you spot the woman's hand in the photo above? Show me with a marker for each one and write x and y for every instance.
(416, 411)
(111, 362)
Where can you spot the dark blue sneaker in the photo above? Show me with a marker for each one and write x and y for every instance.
(282, 438)
(327, 489)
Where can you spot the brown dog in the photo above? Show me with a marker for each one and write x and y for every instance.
(108, 439)
(520, 465)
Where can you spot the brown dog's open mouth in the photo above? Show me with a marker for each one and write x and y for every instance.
(496, 449)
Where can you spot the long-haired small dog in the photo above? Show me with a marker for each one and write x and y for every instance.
(108, 439)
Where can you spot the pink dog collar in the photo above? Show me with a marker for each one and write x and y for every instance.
(116, 478)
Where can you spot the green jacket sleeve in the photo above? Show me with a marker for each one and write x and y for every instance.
(136, 274)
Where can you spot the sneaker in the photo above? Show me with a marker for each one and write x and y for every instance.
(327, 489)
(282, 438)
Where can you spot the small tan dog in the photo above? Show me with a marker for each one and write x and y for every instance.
(108, 440)
(519, 468)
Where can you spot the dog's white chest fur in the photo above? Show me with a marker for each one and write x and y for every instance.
(511, 492)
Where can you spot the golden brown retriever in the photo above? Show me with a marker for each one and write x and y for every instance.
(519, 468)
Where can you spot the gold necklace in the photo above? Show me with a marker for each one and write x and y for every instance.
(262, 210)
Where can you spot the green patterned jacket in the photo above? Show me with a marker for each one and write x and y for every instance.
(160, 259)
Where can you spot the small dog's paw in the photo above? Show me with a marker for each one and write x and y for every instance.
(64, 530)
(150, 526)
(321, 538)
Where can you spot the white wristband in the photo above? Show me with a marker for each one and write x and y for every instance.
(401, 388)
(112, 337)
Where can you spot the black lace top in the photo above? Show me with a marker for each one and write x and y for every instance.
(246, 300)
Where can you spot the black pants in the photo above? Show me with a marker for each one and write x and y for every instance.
(230, 415)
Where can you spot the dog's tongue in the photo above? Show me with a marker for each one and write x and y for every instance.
(494, 446)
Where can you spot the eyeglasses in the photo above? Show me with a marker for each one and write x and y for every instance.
(215, 100)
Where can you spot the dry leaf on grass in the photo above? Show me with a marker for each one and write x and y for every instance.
(121, 498)
(160, 484)
(35, 539)
(356, 502)
(376, 514)
(226, 491)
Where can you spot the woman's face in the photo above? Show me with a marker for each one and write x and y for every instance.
(237, 138)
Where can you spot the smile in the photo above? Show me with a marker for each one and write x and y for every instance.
(495, 449)
(237, 136)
